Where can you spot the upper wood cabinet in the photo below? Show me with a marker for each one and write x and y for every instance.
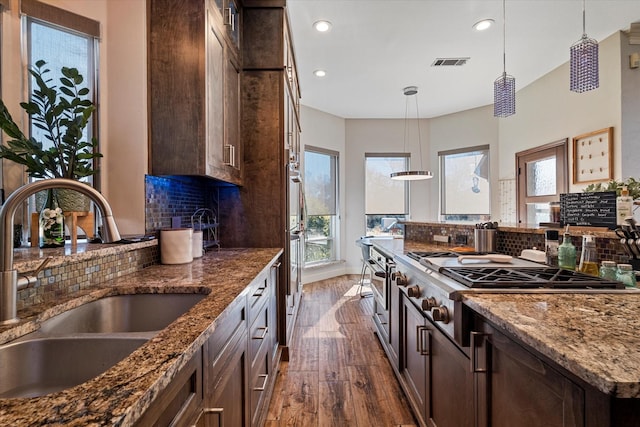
(194, 89)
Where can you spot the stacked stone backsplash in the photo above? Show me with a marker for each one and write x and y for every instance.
(166, 198)
(512, 240)
(73, 277)
(169, 197)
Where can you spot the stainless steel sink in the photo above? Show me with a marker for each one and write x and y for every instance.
(41, 366)
(122, 313)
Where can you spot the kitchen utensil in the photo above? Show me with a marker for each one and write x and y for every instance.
(499, 258)
(484, 240)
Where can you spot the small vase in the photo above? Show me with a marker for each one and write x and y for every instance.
(51, 228)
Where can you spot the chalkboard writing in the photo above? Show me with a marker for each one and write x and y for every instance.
(589, 209)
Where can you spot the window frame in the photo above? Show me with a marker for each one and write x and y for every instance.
(33, 11)
(441, 159)
(334, 235)
(559, 149)
(406, 193)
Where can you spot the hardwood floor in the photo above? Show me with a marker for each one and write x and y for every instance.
(338, 373)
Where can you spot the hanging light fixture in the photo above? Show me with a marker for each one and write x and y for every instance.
(584, 75)
(413, 175)
(504, 87)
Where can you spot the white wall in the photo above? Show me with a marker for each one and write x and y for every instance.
(324, 130)
(548, 111)
(460, 130)
(123, 103)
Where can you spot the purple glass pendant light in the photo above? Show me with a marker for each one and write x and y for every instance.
(504, 87)
(584, 74)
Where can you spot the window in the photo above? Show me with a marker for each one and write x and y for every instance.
(321, 193)
(464, 178)
(386, 200)
(62, 38)
(542, 176)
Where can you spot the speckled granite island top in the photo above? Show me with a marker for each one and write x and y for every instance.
(593, 336)
(120, 395)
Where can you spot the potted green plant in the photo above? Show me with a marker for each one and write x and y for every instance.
(62, 114)
(632, 185)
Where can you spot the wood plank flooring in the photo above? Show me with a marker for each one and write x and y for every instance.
(338, 373)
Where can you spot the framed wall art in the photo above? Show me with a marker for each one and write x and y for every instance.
(592, 156)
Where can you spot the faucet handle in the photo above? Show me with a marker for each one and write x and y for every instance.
(29, 279)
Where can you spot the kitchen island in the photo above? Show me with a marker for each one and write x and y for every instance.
(121, 395)
(571, 356)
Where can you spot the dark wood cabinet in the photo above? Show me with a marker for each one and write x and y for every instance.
(180, 402)
(194, 92)
(435, 373)
(257, 214)
(240, 359)
(515, 387)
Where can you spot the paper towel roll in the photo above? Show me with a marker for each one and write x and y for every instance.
(196, 241)
(176, 246)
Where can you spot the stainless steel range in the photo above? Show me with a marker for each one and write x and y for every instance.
(436, 281)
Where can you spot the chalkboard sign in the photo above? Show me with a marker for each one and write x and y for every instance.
(589, 209)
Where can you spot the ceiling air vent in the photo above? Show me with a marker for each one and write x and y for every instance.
(449, 62)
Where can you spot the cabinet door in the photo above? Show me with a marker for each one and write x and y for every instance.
(232, 149)
(227, 389)
(517, 388)
(415, 351)
(215, 97)
(450, 385)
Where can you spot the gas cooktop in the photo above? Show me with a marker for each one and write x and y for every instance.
(518, 274)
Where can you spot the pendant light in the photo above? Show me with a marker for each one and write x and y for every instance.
(584, 75)
(412, 175)
(504, 87)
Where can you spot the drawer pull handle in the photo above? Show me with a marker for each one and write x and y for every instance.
(265, 331)
(473, 349)
(265, 380)
(259, 292)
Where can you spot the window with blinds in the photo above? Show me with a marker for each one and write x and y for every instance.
(386, 200)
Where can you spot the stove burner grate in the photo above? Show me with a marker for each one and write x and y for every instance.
(527, 277)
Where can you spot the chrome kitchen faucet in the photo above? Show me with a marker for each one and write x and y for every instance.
(9, 276)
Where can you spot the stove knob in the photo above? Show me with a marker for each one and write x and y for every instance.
(440, 314)
(428, 303)
(414, 291)
(401, 279)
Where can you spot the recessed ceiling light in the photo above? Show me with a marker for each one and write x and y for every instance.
(319, 73)
(322, 26)
(483, 25)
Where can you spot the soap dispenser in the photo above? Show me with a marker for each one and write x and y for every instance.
(567, 252)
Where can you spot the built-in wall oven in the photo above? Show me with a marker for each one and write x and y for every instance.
(381, 269)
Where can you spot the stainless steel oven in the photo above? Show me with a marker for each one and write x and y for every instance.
(381, 269)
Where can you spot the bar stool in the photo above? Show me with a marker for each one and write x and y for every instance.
(365, 245)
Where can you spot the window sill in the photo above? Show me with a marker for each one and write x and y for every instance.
(323, 264)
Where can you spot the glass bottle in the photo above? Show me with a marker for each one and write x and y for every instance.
(551, 247)
(567, 253)
(51, 227)
(626, 275)
(608, 270)
(589, 256)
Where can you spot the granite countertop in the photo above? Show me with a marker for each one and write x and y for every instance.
(121, 394)
(593, 336)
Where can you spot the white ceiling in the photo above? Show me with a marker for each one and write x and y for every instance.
(377, 47)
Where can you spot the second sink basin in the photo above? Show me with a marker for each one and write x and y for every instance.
(41, 366)
(122, 313)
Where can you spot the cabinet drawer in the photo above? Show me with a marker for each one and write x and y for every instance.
(230, 321)
(260, 381)
(179, 403)
(260, 332)
(259, 294)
